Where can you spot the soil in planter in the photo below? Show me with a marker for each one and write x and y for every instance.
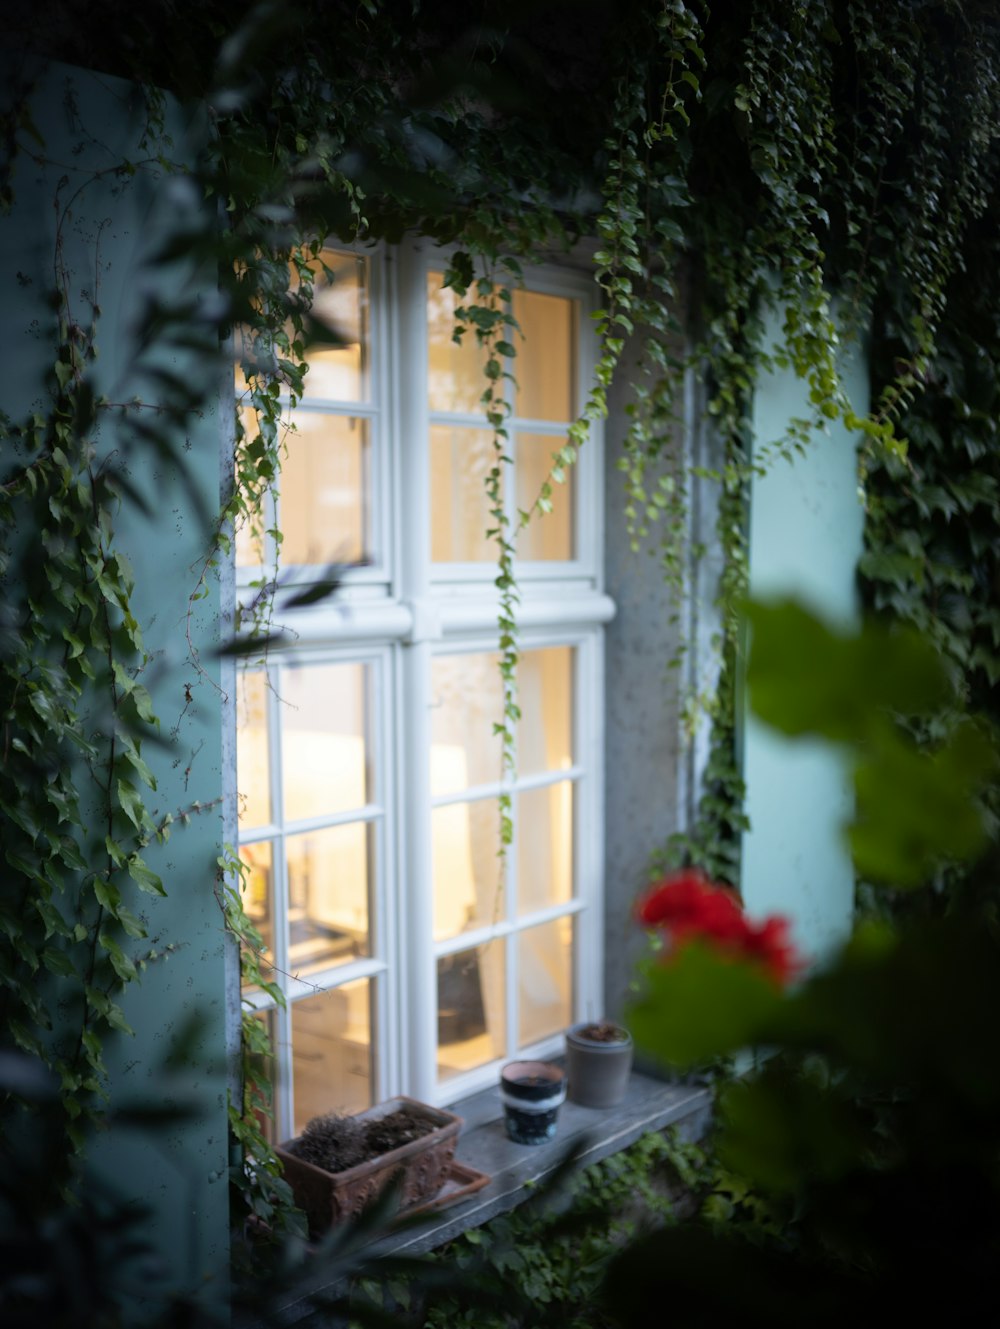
(337, 1143)
(604, 1032)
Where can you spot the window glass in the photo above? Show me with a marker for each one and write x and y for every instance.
(545, 696)
(546, 356)
(340, 305)
(548, 536)
(465, 838)
(331, 1052)
(324, 498)
(467, 700)
(253, 750)
(258, 886)
(455, 378)
(544, 966)
(471, 1018)
(460, 510)
(329, 876)
(325, 739)
(544, 847)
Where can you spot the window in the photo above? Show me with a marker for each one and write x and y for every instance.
(369, 773)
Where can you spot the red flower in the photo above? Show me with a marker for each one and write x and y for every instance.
(687, 905)
(770, 943)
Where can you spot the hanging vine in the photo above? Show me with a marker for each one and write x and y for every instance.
(837, 159)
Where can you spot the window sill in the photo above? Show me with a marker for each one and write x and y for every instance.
(649, 1105)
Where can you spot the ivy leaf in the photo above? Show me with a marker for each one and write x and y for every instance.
(121, 963)
(144, 877)
(131, 803)
(58, 962)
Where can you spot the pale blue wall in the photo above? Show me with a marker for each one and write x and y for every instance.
(805, 540)
(179, 1170)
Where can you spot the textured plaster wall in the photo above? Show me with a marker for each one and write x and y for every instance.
(643, 747)
(177, 1057)
(805, 540)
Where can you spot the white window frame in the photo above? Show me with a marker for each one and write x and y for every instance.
(398, 613)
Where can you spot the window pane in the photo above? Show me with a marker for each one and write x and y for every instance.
(460, 509)
(455, 375)
(545, 695)
(467, 700)
(258, 884)
(467, 894)
(331, 1052)
(340, 304)
(548, 536)
(545, 980)
(325, 739)
(253, 750)
(329, 873)
(324, 490)
(544, 847)
(471, 1021)
(250, 552)
(546, 358)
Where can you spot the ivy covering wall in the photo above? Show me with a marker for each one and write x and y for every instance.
(718, 153)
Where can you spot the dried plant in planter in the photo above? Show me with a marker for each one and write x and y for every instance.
(603, 1031)
(339, 1164)
(332, 1142)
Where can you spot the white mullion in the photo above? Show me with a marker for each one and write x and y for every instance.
(330, 979)
(369, 812)
(283, 1097)
(379, 932)
(587, 828)
(482, 936)
(549, 914)
(554, 428)
(417, 902)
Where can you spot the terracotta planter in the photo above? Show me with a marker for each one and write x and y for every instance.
(329, 1198)
(597, 1070)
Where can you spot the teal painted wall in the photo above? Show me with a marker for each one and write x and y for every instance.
(805, 540)
(179, 1170)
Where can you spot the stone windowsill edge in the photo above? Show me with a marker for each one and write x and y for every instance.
(649, 1105)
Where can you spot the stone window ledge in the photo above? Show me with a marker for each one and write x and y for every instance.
(649, 1105)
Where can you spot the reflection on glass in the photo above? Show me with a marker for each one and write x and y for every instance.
(329, 874)
(548, 535)
(257, 882)
(340, 305)
(545, 980)
(466, 702)
(471, 1022)
(253, 767)
(455, 378)
(460, 510)
(546, 358)
(324, 490)
(544, 847)
(325, 741)
(545, 695)
(466, 871)
(332, 1053)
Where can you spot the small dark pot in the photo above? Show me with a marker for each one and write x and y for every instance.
(532, 1092)
(597, 1072)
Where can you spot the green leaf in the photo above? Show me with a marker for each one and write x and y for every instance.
(121, 963)
(131, 803)
(144, 877)
(58, 962)
(702, 1004)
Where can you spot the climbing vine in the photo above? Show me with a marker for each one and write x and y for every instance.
(835, 159)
